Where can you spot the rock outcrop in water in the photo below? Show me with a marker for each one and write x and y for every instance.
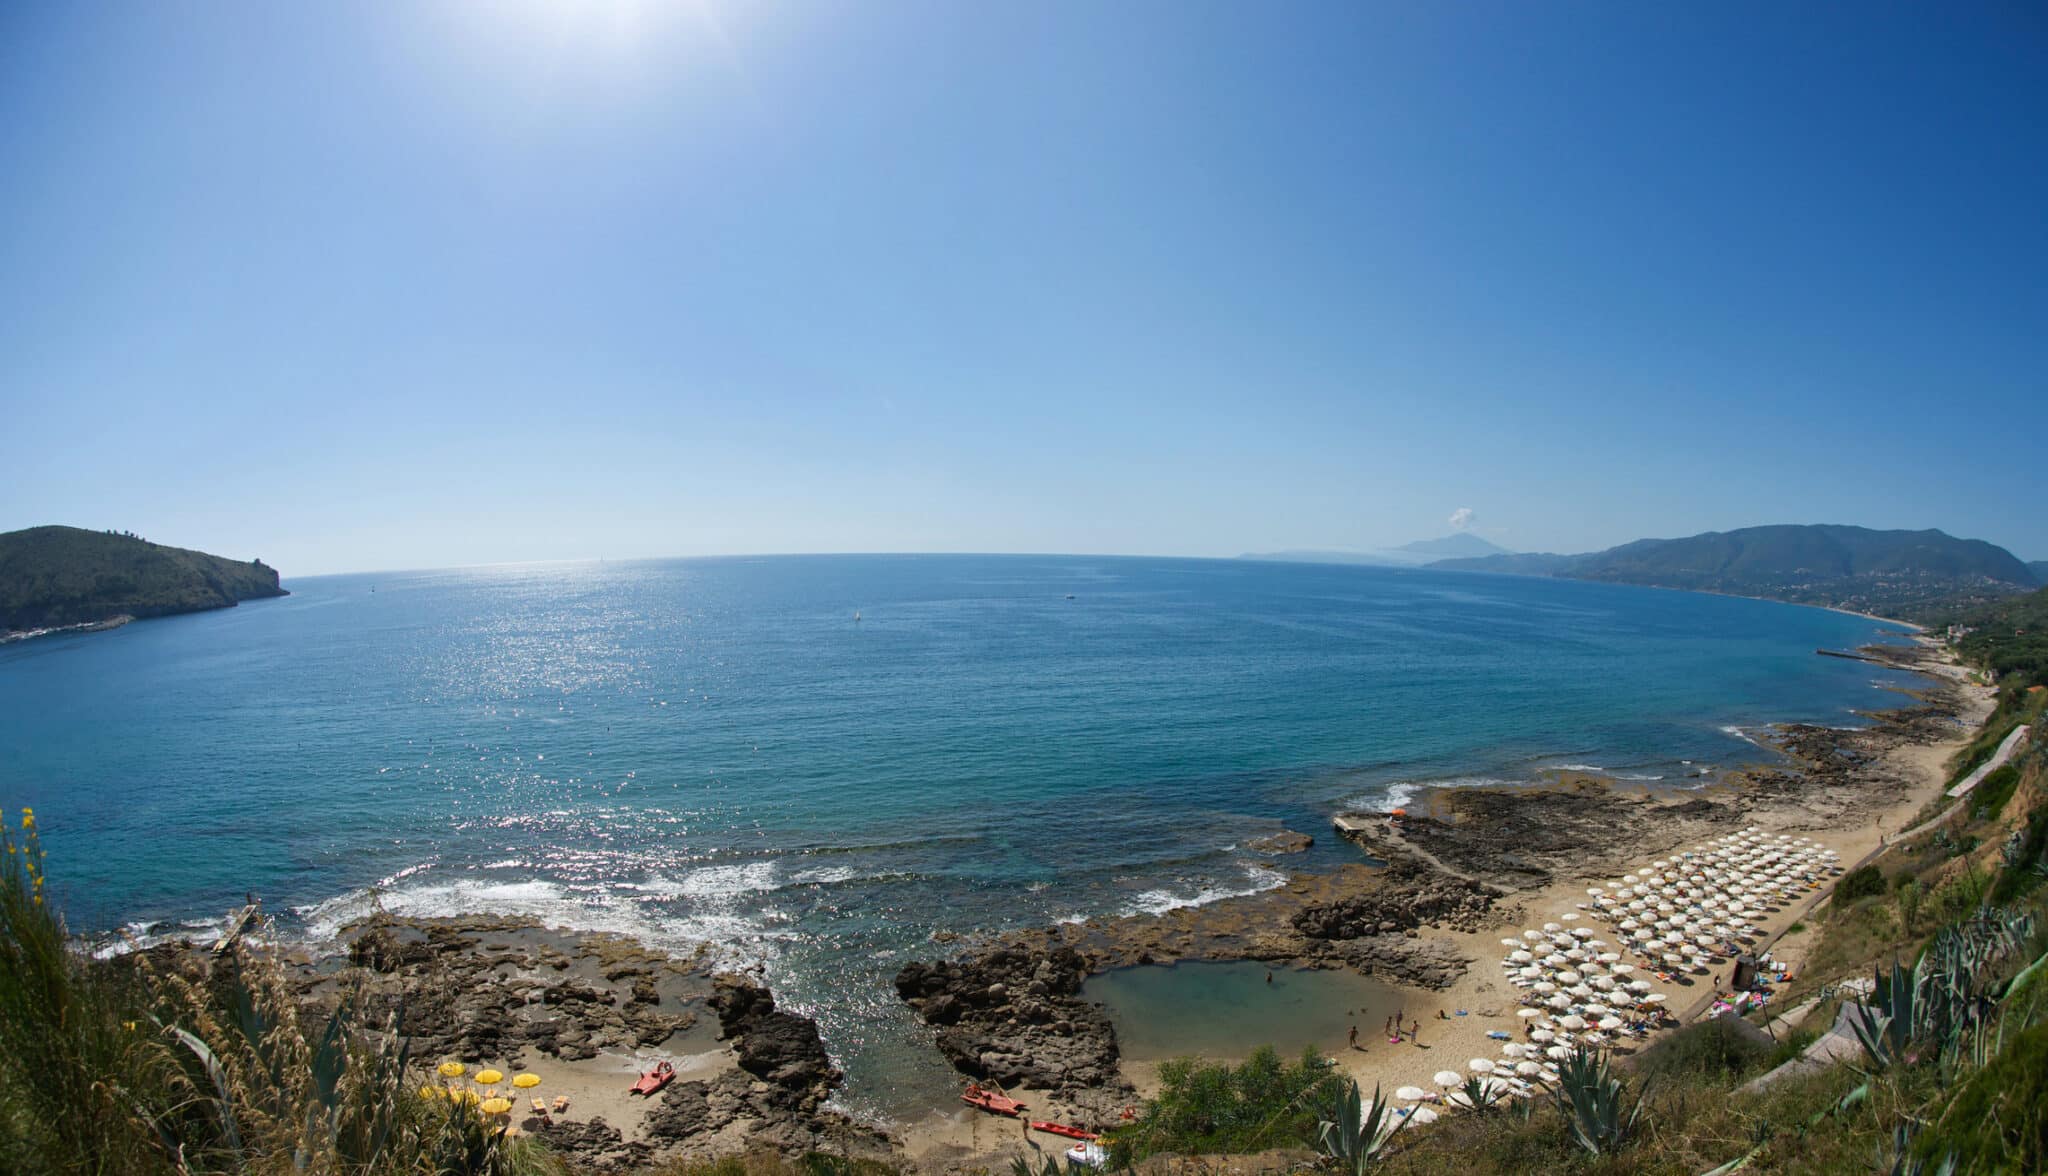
(1015, 1017)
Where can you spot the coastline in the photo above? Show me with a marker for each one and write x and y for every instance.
(1845, 788)
(1422, 910)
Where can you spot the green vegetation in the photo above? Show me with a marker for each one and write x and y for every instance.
(1993, 791)
(2009, 639)
(1211, 1107)
(53, 576)
(110, 1067)
(1861, 882)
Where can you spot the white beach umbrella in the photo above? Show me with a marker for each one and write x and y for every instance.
(1411, 1093)
(1480, 1065)
(1422, 1115)
(1532, 934)
(1560, 1001)
(1448, 1078)
(1610, 1023)
(1573, 1022)
(1639, 986)
(1654, 998)
(1622, 969)
(1545, 987)
(1528, 1014)
(1511, 943)
(1528, 1069)
(1552, 927)
(1542, 1035)
(1558, 1051)
(1520, 957)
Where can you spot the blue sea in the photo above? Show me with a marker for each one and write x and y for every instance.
(813, 763)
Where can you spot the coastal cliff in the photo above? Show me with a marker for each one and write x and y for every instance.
(66, 577)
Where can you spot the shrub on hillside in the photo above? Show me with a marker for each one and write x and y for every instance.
(1859, 883)
(1210, 1107)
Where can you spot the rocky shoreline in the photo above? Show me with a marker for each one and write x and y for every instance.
(588, 1012)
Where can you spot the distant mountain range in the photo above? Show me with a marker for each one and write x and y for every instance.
(1893, 573)
(1462, 544)
(56, 577)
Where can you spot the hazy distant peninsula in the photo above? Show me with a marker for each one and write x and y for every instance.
(67, 577)
(1461, 544)
(1893, 573)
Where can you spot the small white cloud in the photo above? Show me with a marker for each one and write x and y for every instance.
(1462, 518)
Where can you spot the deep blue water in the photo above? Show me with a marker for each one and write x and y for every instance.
(717, 750)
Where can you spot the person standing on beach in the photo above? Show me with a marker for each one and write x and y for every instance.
(1415, 1032)
(1354, 1037)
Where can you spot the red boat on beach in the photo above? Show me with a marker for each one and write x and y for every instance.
(1063, 1129)
(653, 1080)
(994, 1102)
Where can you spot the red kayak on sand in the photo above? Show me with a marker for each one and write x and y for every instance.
(653, 1080)
(994, 1102)
(1063, 1129)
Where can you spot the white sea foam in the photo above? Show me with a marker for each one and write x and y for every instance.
(1575, 768)
(1402, 793)
(710, 917)
(1258, 879)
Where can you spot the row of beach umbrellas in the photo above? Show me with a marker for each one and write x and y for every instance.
(1678, 913)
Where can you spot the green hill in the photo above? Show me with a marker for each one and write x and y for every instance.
(55, 576)
(1896, 573)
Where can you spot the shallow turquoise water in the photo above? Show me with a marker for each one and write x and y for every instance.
(1220, 1010)
(717, 750)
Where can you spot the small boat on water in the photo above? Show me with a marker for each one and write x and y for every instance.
(653, 1080)
(1063, 1129)
(994, 1102)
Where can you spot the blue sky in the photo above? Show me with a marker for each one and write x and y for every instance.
(398, 285)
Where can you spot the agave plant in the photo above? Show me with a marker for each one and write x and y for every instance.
(1359, 1133)
(1595, 1103)
(1481, 1094)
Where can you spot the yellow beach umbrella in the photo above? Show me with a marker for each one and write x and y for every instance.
(489, 1077)
(496, 1106)
(452, 1069)
(526, 1081)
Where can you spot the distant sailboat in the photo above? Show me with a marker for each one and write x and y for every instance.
(856, 614)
